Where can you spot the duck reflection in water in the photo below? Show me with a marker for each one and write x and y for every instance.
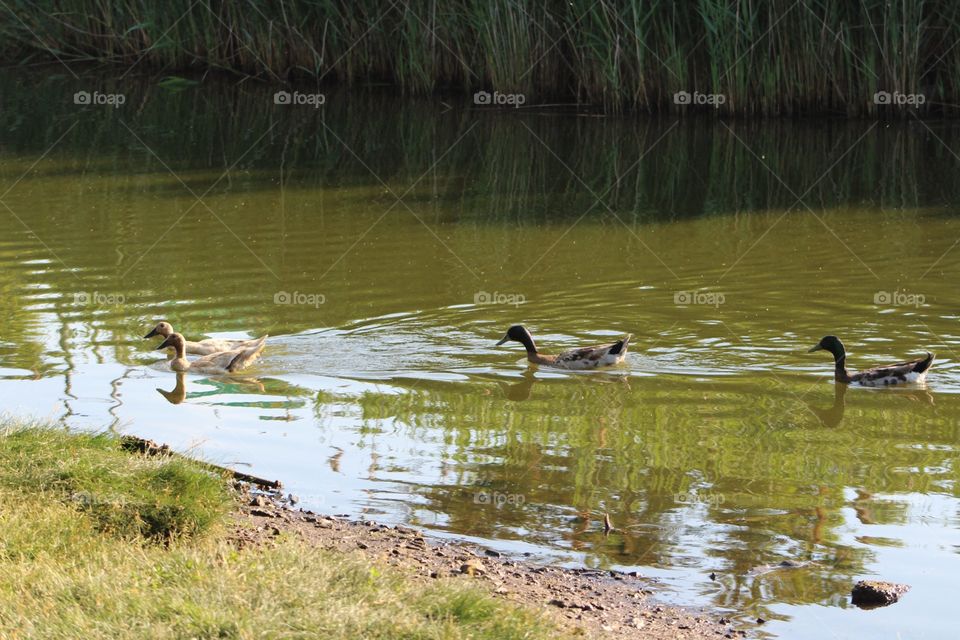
(522, 390)
(179, 392)
(833, 416)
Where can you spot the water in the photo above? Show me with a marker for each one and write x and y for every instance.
(387, 243)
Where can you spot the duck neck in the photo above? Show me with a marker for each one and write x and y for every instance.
(840, 372)
(527, 341)
(180, 362)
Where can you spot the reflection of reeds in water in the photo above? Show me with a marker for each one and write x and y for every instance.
(777, 57)
(487, 166)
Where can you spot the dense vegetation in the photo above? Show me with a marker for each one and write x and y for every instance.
(777, 57)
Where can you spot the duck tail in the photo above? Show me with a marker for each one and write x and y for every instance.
(621, 346)
(924, 364)
(247, 356)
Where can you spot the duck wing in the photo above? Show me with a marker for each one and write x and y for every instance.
(910, 371)
(232, 360)
(590, 357)
(215, 345)
(245, 356)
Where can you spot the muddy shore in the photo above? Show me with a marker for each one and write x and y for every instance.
(596, 603)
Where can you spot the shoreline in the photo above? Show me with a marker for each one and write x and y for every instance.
(600, 603)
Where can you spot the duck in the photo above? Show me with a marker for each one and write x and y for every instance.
(603, 355)
(913, 371)
(220, 362)
(204, 347)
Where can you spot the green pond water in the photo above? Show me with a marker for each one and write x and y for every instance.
(386, 244)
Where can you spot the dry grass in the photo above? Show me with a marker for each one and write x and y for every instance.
(65, 572)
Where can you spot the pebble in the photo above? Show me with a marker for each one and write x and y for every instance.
(473, 566)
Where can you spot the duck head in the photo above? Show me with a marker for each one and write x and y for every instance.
(163, 328)
(519, 333)
(174, 340)
(831, 344)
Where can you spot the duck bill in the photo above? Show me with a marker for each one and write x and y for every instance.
(151, 334)
(164, 344)
(816, 348)
(505, 338)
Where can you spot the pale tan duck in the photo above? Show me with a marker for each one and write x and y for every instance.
(220, 362)
(204, 347)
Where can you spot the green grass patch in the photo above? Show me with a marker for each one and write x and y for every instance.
(160, 497)
(69, 570)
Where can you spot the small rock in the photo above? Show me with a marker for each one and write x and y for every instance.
(263, 514)
(557, 603)
(876, 593)
(760, 621)
(473, 567)
(492, 553)
(258, 501)
(363, 545)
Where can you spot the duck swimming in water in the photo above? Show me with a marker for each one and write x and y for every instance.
(913, 371)
(578, 359)
(221, 362)
(204, 347)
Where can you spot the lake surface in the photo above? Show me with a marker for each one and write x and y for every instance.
(387, 243)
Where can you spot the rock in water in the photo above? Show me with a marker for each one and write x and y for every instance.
(876, 593)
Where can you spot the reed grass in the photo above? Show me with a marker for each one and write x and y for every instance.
(767, 58)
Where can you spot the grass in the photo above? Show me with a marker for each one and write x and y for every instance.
(776, 57)
(70, 570)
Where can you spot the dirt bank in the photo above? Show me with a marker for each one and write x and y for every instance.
(599, 603)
